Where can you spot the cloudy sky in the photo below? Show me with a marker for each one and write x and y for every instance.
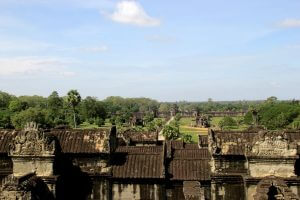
(167, 50)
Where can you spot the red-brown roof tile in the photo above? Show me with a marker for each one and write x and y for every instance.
(190, 164)
(70, 141)
(138, 162)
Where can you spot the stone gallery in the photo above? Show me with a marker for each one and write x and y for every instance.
(99, 164)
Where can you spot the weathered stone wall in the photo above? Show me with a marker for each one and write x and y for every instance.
(228, 191)
(42, 166)
(230, 165)
(175, 191)
(101, 190)
(13, 195)
(251, 190)
(5, 167)
(276, 167)
(92, 164)
(137, 191)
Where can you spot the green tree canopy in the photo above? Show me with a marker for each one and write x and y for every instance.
(74, 98)
(37, 115)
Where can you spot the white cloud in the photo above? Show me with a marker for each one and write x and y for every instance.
(95, 49)
(290, 23)
(293, 46)
(34, 66)
(160, 38)
(274, 84)
(131, 12)
(8, 44)
(7, 21)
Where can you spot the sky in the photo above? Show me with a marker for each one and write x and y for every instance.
(168, 50)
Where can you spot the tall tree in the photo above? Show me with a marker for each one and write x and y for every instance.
(74, 99)
(91, 108)
(5, 98)
(54, 101)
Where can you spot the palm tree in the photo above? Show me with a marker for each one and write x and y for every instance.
(74, 99)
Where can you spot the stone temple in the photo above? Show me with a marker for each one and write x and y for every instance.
(98, 164)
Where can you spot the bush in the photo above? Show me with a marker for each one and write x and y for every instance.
(99, 121)
(227, 122)
(30, 115)
(5, 121)
(278, 115)
(248, 118)
(171, 132)
(177, 117)
(187, 138)
(149, 117)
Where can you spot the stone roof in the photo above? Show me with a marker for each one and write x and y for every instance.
(6, 137)
(186, 162)
(189, 163)
(70, 141)
(139, 136)
(138, 162)
(83, 141)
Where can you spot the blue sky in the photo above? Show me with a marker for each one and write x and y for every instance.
(167, 50)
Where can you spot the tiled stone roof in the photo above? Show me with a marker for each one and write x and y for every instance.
(70, 141)
(138, 162)
(190, 163)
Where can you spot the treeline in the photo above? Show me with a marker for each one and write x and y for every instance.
(220, 106)
(70, 110)
(275, 114)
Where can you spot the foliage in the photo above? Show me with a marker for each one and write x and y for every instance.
(149, 117)
(31, 114)
(164, 108)
(92, 109)
(151, 126)
(171, 132)
(55, 103)
(34, 101)
(55, 110)
(154, 125)
(177, 117)
(227, 122)
(74, 99)
(17, 105)
(295, 125)
(278, 115)
(187, 138)
(5, 119)
(99, 121)
(248, 119)
(5, 98)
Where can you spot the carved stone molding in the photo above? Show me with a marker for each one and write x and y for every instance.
(32, 142)
(272, 144)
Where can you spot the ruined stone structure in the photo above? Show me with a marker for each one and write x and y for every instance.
(202, 121)
(97, 165)
(254, 165)
(226, 113)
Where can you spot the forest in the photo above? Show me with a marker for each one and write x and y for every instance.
(73, 111)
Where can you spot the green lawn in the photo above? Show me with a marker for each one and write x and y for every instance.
(86, 125)
(186, 128)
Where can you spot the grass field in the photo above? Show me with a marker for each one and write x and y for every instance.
(185, 127)
(86, 125)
